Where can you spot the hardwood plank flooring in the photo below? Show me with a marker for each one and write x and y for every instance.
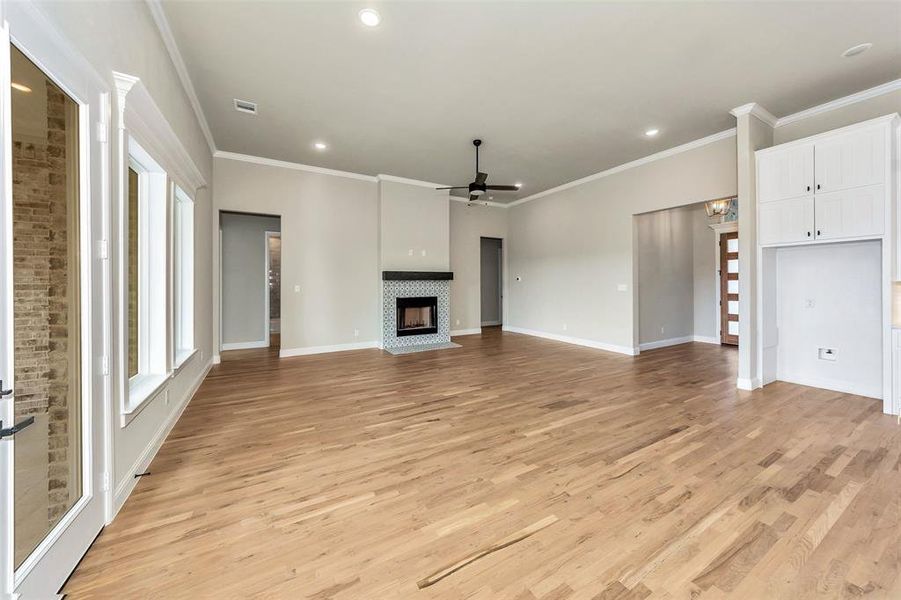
(512, 467)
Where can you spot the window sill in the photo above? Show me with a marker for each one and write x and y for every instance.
(142, 389)
(182, 357)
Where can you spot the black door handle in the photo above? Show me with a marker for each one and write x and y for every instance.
(4, 393)
(15, 428)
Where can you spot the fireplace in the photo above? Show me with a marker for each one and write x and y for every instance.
(417, 316)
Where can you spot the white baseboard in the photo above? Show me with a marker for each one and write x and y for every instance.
(288, 352)
(664, 343)
(744, 383)
(217, 359)
(573, 340)
(245, 345)
(125, 487)
(707, 339)
(835, 385)
(491, 323)
(457, 332)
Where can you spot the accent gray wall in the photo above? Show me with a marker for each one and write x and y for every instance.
(244, 277)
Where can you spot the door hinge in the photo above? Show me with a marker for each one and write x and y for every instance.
(102, 133)
(105, 482)
(103, 249)
(104, 365)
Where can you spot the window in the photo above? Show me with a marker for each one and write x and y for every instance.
(145, 276)
(183, 277)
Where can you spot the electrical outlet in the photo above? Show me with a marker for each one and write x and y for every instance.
(564, 327)
(828, 354)
(356, 333)
(663, 330)
(423, 252)
(296, 288)
(410, 252)
(622, 287)
(457, 322)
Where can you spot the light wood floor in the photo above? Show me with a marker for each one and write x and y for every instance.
(512, 467)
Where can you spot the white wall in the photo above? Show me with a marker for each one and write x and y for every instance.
(122, 36)
(329, 230)
(490, 269)
(468, 224)
(414, 228)
(244, 277)
(847, 115)
(830, 296)
(573, 248)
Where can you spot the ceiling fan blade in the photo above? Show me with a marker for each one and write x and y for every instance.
(480, 178)
(458, 187)
(502, 188)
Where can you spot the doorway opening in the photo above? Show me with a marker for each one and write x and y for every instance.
(687, 279)
(492, 281)
(274, 286)
(250, 283)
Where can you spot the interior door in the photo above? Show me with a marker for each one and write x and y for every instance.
(53, 318)
(729, 288)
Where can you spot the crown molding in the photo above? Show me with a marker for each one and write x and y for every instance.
(420, 183)
(162, 24)
(630, 165)
(271, 162)
(873, 92)
(752, 108)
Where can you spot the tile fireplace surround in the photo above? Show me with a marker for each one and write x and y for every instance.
(408, 284)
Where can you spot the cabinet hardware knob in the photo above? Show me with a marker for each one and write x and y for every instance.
(818, 186)
(808, 234)
(818, 232)
(808, 188)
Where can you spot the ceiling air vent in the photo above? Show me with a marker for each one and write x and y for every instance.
(245, 107)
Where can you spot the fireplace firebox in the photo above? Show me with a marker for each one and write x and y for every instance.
(417, 316)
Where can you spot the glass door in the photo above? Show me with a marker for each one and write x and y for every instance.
(51, 446)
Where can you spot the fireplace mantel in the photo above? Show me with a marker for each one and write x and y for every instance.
(417, 275)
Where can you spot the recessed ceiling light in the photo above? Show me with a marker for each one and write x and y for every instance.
(855, 50)
(320, 146)
(20, 86)
(651, 132)
(370, 17)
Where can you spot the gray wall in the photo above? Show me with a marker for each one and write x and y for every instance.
(847, 115)
(706, 280)
(574, 248)
(414, 228)
(468, 224)
(490, 273)
(665, 275)
(329, 230)
(244, 277)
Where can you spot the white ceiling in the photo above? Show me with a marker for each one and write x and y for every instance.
(557, 90)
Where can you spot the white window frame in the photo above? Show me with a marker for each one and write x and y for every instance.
(182, 277)
(153, 368)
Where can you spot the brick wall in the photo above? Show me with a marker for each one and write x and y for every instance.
(44, 290)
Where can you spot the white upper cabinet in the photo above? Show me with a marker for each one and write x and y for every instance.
(831, 186)
(786, 221)
(857, 212)
(851, 159)
(786, 173)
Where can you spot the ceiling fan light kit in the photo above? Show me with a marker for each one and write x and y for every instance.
(478, 187)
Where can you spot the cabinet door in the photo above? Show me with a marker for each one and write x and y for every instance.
(850, 160)
(857, 212)
(785, 221)
(786, 173)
